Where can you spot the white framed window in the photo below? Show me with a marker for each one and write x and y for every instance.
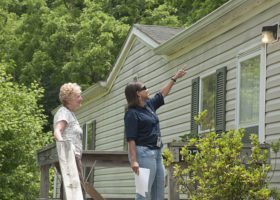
(249, 90)
(89, 135)
(89, 143)
(207, 100)
(251, 76)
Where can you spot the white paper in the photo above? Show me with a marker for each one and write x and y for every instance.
(142, 181)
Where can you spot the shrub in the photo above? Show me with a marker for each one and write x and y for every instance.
(221, 169)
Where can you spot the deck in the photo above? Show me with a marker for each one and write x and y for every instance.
(47, 157)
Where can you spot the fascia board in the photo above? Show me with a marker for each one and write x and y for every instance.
(145, 38)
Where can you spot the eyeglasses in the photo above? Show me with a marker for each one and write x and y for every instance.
(142, 88)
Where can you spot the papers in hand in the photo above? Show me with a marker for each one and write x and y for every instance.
(142, 181)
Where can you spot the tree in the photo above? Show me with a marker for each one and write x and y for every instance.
(58, 41)
(96, 45)
(21, 135)
(54, 42)
(190, 11)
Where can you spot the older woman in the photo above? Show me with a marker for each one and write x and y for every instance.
(143, 133)
(66, 125)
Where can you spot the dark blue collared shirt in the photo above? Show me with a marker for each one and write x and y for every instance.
(142, 123)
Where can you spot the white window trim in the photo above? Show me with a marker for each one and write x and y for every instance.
(200, 96)
(245, 55)
(262, 94)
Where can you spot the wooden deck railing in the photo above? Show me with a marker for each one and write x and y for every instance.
(47, 157)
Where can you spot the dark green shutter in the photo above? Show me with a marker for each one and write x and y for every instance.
(195, 104)
(220, 103)
(93, 141)
(84, 135)
(248, 132)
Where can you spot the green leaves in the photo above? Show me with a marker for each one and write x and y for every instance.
(53, 42)
(168, 158)
(21, 135)
(224, 169)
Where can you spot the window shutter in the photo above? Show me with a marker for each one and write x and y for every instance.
(248, 132)
(195, 104)
(220, 103)
(84, 136)
(93, 142)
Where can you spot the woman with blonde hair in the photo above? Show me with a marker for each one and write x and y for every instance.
(66, 125)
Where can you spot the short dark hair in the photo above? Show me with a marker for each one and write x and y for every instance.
(131, 93)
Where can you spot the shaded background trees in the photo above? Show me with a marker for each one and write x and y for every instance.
(57, 41)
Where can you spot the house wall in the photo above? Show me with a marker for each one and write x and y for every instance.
(174, 116)
(223, 51)
(273, 104)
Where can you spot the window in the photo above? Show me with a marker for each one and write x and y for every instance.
(249, 90)
(207, 102)
(211, 96)
(248, 94)
(89, 137)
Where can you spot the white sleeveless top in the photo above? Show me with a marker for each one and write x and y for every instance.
(72, 131)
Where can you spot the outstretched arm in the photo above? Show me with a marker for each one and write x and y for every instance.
(166, 89)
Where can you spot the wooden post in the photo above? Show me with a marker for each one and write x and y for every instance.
(172, 187)
(44, 183)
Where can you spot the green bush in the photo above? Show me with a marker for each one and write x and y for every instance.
(21, 135)
(220, 170)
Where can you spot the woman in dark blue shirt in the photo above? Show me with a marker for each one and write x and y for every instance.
(143, 133)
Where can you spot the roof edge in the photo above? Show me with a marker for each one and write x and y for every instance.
(102, 88)
(208, 24)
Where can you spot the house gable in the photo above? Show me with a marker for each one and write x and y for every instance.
(151, 36)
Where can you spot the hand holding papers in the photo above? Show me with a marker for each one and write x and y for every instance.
(142, 181)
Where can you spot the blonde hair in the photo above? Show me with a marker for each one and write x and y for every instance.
(67, 91)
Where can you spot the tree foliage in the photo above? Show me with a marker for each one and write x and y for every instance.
(58, 41)
(21, 125)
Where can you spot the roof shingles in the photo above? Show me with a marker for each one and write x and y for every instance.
(159, 34)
